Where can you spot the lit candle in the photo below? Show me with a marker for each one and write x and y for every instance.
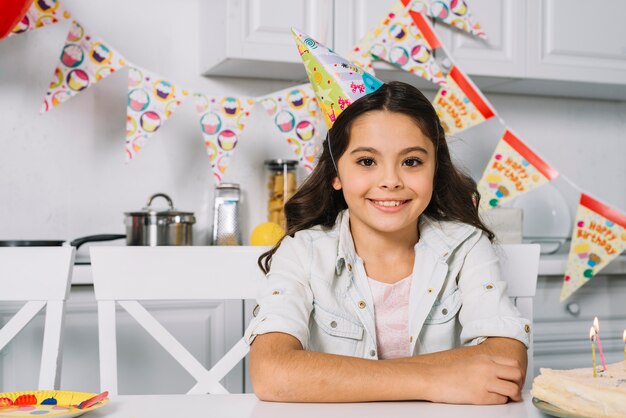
(592, 337)
(624, 349)
(596, 326)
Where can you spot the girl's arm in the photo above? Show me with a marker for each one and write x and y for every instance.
(282, 371)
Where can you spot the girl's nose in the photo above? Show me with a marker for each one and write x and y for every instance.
(391, 180)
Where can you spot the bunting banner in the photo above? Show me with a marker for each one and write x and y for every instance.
(151, 101)
(41, 13)
(460, 104)
(336, 81)
(452, 12)
(360, 54)
(85, 60)
(407, 41)
(599, 236)
(513, 169)
(222, 120)
(296, 114)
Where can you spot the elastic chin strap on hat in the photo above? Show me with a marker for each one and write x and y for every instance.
(330, 151)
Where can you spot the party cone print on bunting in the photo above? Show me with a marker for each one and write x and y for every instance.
(41, 13)
(599, 236)
(336, 81)
(513, 169)
(151, 101)
(407, 41)
(222, 120)
(452, 12)
(297, 116)
(85, 60)
(460, 104)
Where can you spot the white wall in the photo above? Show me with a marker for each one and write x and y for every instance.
(62, 174)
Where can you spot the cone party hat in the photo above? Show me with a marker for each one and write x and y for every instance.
(336, 81)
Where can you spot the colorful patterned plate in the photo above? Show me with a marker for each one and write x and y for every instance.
(45, 403)
(555, 411)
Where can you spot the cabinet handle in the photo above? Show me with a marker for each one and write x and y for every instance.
(573, 308)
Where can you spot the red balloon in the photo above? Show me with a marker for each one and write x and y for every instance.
(11, 12)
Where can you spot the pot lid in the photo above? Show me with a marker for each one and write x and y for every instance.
(149, 210)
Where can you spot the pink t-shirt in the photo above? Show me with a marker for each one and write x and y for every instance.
(391, 312)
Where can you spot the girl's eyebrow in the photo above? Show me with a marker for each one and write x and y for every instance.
(403, 152)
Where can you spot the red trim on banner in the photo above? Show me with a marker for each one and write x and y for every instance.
(602, 209)
(529, 155)
(483, 107)
(425, 29)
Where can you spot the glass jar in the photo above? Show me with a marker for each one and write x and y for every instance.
(281, 185)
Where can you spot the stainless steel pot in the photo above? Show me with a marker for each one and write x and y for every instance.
(159, 227)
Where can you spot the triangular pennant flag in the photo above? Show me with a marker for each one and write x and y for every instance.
(151, 101)
(513, 169)
(336, 81)
(452, 12)
(360, 54)
(599, 236)
(85, 60)
(222, 120)
(41, 13)
(297, 116)
(460, 104)
(407, 41)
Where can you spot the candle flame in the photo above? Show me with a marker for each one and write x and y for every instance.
(624, 336)
(596, 324)
(592, 334)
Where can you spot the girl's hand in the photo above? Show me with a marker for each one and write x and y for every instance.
(480, 379)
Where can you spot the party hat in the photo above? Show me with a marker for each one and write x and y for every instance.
(336, 81)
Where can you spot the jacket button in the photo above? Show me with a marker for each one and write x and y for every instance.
(372, 353)
(349, 267)
(276, 292)
(445, 254)
(489, 287)
(362, 304)
(333, 324)
(527, 328)
(444, 311)
(411, 339)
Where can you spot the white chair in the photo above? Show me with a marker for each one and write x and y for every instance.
(519, 264)
(130, 275)
(40, 276)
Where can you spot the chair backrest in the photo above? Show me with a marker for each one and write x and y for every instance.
(128, 275)
(41, 277)
(519, 264)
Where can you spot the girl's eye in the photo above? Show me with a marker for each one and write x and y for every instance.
(367, 162)
(412, 162)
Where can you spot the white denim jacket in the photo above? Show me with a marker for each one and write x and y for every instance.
(317, 291)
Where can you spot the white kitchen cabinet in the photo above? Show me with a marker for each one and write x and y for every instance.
(542, 47)
(252, 38)
(207, 329)
(577, 41)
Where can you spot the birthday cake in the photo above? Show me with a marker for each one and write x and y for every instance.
(578, 393)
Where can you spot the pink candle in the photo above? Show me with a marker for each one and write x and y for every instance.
(596, 326)
(592, 337)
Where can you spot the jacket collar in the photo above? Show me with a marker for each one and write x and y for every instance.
(440, 237)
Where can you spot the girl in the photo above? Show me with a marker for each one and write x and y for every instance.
(386, 286)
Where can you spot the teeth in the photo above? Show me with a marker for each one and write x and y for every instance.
(388, 202)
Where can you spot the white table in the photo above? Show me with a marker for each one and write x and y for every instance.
(248, 406)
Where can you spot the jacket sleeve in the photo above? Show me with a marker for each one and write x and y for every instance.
(286, 300)
(487, 310)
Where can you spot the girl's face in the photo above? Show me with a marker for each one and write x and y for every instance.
(386, 174)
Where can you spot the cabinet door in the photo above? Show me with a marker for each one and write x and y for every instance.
(502, 54)
(577, 41)
(253, 37)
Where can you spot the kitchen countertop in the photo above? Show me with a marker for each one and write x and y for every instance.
(549, 265)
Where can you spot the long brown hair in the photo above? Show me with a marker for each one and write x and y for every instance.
(455, 197)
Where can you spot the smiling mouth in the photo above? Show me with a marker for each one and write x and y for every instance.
(388, 203)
